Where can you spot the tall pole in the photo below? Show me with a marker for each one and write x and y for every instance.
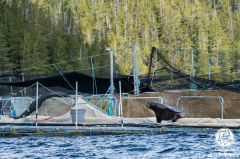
(23, 77)
(10, 79)
(120, 101)
(37, 104)
(209, 78)
(120, 105)
(192, 63)
(23, 80)
(136, 87)
(111, 52)
(76, 104)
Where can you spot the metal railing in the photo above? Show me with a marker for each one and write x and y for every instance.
(121, 98)
(202, 97)
(160, 98)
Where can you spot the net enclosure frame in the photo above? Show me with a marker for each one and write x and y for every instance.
(202, 97)
(121, 98)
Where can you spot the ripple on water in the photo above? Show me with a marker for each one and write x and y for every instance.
(171, 145)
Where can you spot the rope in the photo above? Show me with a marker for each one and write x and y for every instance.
(64, 78)
(56, 63)
(202, 109)
(50, 116)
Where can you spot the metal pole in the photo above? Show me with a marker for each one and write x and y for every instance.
(136, 87)
(76, 103)
(111, 52)
(144, 98)
(192, 63)
(121, 102)
(23, 80)
(114, 105)
(10, 79)
(37, 104)
(23, 77)
(209, 77)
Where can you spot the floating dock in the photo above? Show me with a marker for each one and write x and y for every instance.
(53, 129)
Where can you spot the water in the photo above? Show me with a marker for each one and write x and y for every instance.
(171, 145)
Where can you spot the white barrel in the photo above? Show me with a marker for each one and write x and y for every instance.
(80, 115)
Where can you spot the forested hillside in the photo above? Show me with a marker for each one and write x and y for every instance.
(40, 32)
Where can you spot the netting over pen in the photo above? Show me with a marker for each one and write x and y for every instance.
(169, 69)
(92, 74)
(159, 69)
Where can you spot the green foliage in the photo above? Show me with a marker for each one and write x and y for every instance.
(42, 32)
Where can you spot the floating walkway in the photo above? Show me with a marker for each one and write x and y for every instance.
(61, 129)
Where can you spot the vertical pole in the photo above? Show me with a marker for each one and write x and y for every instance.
(192, 63)
(222, 108)
(209, 78)
(10, 79)
(136, 87)
(76, 104)
(114, 105)
(92, 74)
(37, 104)
(120, 102)
(23, 77)
(156, 58)
(111, 52)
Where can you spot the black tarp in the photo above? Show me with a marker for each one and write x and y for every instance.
(85, 82)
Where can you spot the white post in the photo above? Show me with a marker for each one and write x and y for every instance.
(136, 87)
(115, 104)
(37, 104)
(209, 77)
(76, 103)
(121, 102)
(192, 63)
(111, 52)
(23, 77)
(10, 79)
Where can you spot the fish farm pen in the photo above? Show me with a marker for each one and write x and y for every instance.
(91, 101)
(18, 130)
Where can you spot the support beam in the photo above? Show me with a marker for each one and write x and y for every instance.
(112, 85)
(136, 87)
(10, 79)
(192, 63)
(37, 104)
(76, 104)
(209, 77)
(23, 78)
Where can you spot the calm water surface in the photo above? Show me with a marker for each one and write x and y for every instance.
(171, 145)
